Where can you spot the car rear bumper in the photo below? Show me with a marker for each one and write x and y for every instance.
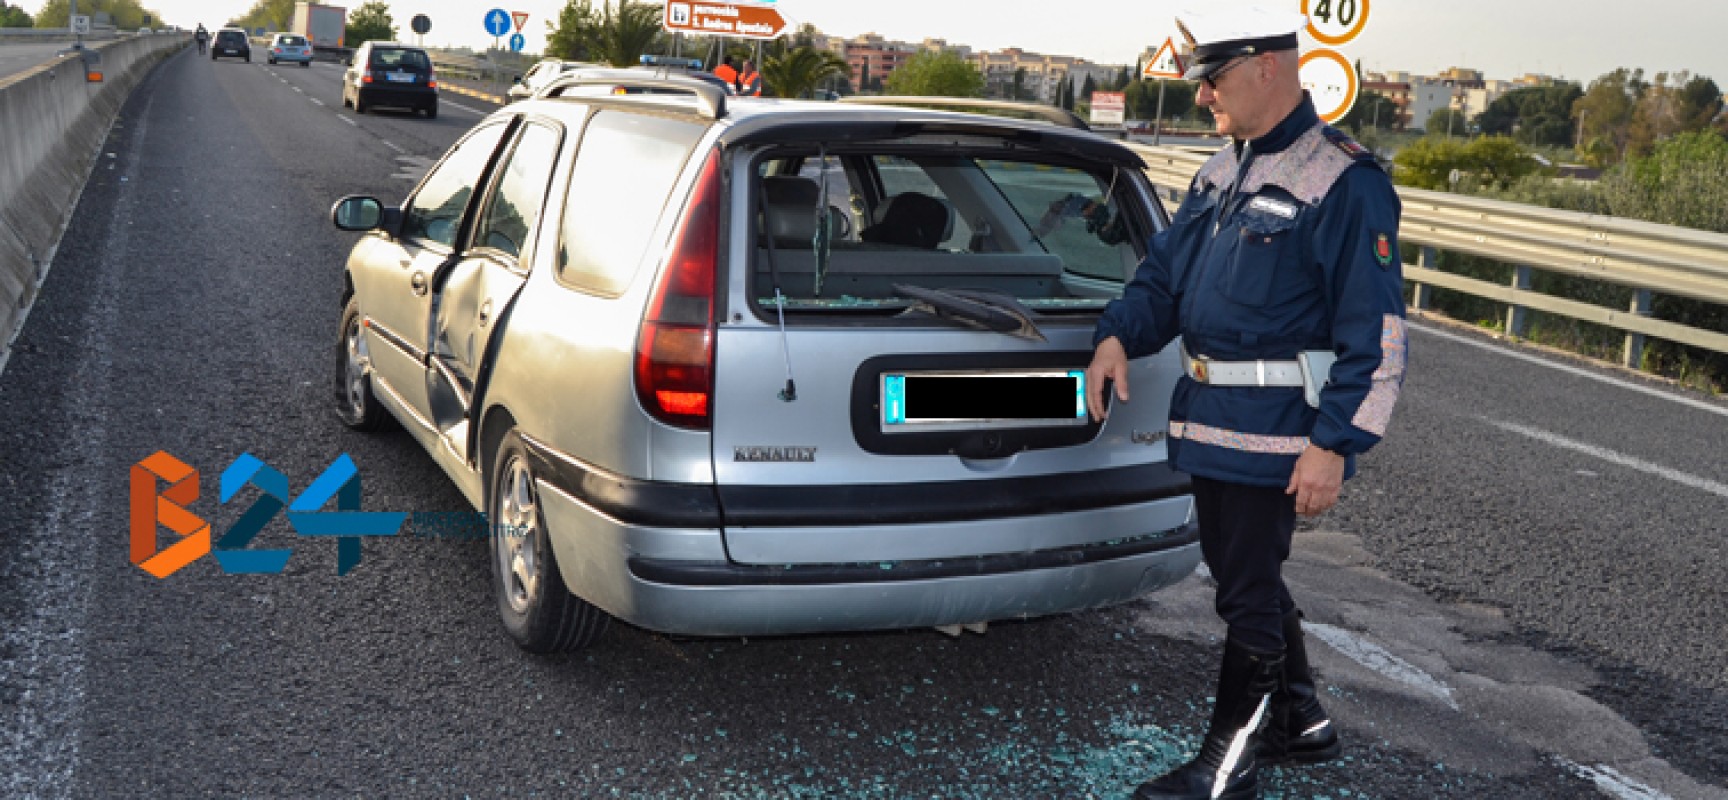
(831, 603)
(654, 555)
(294, 57)
(398, 96)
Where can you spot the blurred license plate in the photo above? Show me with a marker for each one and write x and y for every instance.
(934, 401)
(400, 77)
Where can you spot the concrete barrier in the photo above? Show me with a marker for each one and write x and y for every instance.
(52, 125)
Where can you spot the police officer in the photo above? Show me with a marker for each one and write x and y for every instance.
(1281, 274)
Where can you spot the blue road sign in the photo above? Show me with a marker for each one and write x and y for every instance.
(516, 42)
(497, 22)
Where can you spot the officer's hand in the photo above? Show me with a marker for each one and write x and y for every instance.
(1109, 363)
(1316, 480)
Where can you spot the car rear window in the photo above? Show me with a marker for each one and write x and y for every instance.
(291, 41)
(1047, 230)
(230, 37)
(400, 59)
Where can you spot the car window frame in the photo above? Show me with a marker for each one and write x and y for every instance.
(523, 260)
(465, 224)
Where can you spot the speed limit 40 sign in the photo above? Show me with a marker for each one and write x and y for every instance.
(1335, 22)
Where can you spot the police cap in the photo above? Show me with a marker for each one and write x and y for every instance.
(1218, 36)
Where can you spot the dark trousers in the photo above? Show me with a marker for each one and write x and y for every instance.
(1245, 538)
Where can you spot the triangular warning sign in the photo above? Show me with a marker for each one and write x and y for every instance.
(1165, 63)
(521, 18)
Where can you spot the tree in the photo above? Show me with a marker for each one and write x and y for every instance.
(1697, 104)
(124, 14)
(798, 71)
(370, 22)
(1428, 163)
(931, 74)
(1684, 181)
(1372, 110)
(1019, 84)
(864, 75)
(1087, 88)
(1447, 122)
(1534, 115)
(614, 35)
(14, 17)
(1604, 116)
(273, 15)
(576, 35)
(628, 31)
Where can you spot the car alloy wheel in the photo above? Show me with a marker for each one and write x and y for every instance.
(537, 608)
(356, 405)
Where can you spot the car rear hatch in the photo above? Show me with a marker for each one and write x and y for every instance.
(899, 371)
(403, 72)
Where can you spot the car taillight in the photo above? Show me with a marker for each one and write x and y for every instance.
(365, 77)
(675, 349)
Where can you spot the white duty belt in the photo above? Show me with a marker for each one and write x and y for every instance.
(1311, 370)
(1241, 373)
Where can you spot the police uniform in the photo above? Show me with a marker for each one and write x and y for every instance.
(1282, 257)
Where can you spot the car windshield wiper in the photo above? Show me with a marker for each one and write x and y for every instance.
(974, 308)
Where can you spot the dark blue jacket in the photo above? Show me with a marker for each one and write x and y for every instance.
(1290, 244)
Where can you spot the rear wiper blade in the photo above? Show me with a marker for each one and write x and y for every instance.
(973, 308)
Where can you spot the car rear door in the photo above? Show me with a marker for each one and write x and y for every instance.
(472, 294)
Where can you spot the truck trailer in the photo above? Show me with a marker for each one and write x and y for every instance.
(322, 25)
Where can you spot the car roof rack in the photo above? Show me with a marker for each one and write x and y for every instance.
(1050, 114)
(710, 100)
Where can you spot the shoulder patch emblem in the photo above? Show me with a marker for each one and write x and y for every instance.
(1351, 147)
(1383, 249)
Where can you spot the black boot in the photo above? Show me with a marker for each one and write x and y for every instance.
(1299, 730)
(1226, 768)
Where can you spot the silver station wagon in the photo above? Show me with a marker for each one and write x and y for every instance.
(724, 367)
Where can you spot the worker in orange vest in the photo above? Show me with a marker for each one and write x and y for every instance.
(749, 80)
(727, 73)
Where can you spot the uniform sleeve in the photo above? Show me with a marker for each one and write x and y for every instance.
(1144, 318)
(1356, 243)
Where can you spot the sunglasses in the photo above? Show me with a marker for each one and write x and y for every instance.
(1211, 81)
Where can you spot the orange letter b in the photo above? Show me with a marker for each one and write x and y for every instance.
(167, 509)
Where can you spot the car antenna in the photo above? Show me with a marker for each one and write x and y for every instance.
(790, 393)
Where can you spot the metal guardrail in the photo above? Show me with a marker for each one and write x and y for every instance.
(1649, 258)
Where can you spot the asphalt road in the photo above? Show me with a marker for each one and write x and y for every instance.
(16, 57)
(1521, 596)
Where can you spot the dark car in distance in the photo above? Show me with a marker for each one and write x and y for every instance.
(231, 42)
(393, 75)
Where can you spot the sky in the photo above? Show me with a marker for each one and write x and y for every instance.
(1573, 39)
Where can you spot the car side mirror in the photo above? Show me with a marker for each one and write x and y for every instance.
(518, 80)
(361, 213)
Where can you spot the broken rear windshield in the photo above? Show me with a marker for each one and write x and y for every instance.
(838, 229)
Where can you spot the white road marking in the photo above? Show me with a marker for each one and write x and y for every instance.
(1571, 370)
(392, 146)
(464, 108)
(349, 121)
(1613, 782)
(300, 90)
(1380, 660)
(1612, 457)
(316, 101)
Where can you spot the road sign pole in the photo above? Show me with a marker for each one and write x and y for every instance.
(1158, 124)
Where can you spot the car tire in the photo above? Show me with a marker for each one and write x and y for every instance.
(359, 106)
(431, 111)
(306, 64)
(356, 405)
(538, 610)
(272, 61)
